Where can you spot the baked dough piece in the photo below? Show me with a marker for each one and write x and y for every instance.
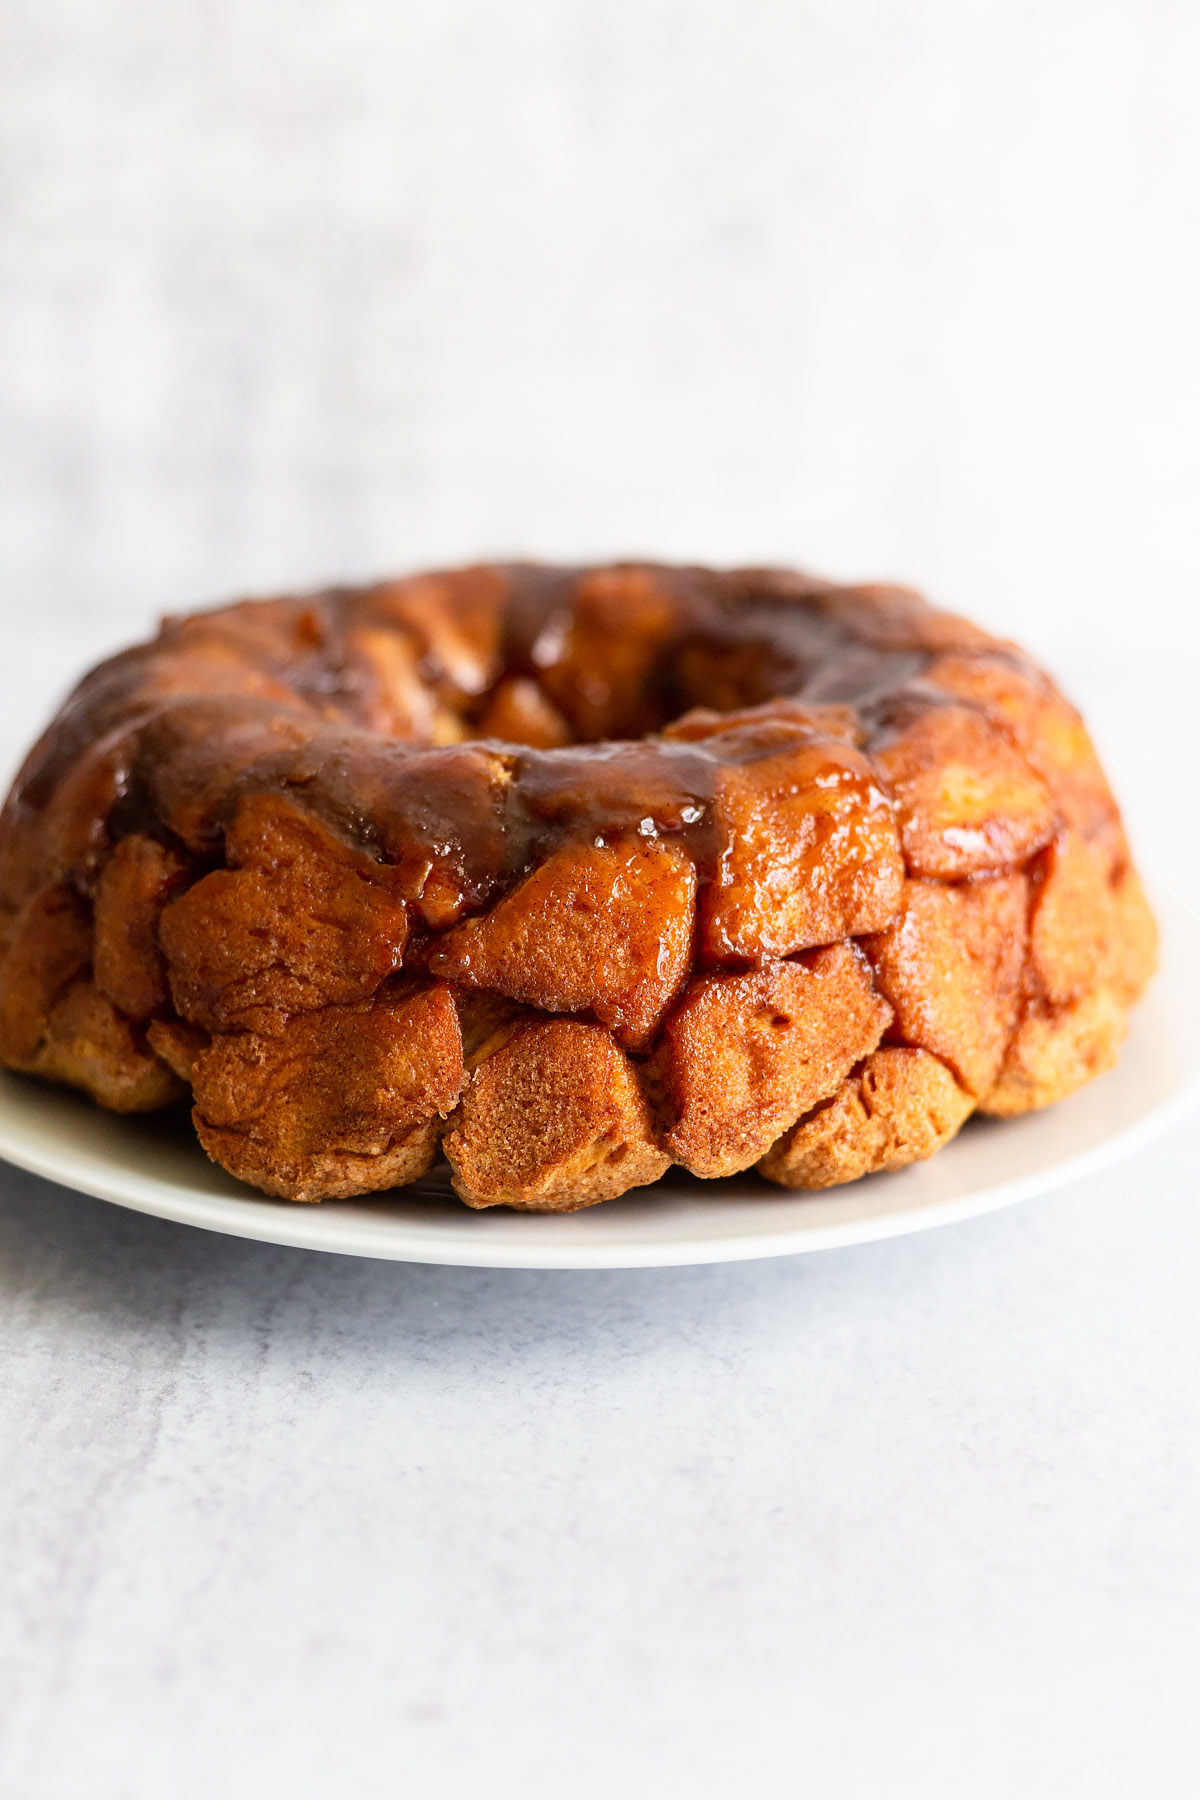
(327, 1103)
(807, 846)
(297, 920)
(56, 1023)
(134, 887)
(599, 928)
(950, 967)
(898, 1107)
(745, 1055)
(48, 948)
(1092, 949)
(553, 1119)
(1043, 727)
(967, 801)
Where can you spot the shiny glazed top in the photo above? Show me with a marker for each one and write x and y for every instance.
(463, 726)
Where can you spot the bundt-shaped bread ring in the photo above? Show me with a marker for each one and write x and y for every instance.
(573, 874)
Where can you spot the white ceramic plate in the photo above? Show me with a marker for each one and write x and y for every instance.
(156, 1166)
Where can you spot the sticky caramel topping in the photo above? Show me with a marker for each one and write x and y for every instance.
(703, 707)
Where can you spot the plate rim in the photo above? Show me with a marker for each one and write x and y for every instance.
(452, 1252)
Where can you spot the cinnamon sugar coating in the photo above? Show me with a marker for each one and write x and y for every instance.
(131, 893)
(572, 873)
(950, 966)
(553, 1119)
(744, 1055)
(327, 1103)
(298, 920)
(898, 1107)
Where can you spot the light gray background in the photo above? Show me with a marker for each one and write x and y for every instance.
(291, 292)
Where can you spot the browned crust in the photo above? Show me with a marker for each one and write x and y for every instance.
(552, 1120)
(809, 853)
(951, 968)
(604, 929)
(1055, 1050)
(48, 948)
(1044, 728)
(1093, 945)
(134, 886)
(517, 712)
(55, 1022)
(298, 920)
(90, 1045)
(745, 1055)
(898, 1107)
(248, 857)
(345, 1100)
(967, 801)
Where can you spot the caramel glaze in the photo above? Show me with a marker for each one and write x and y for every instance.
(308, 696)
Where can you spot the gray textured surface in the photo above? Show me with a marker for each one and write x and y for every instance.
(299, 291)
(916, 1519)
